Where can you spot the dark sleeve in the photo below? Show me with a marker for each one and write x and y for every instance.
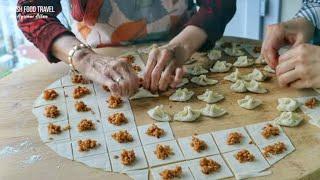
(41, 31)
(212, 17)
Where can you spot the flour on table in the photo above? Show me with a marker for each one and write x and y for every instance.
(146, 139)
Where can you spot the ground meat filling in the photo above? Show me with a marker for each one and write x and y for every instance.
(257, 49)
(276, 148)
(81, 106)
(127, 157)
(80, 92)
(117, 119)
(136, 68)
(130, 59)
(51, 111)
(198, 144)
(87, 145)
(270, 130)
(163, 151)
(168, 174)
(106, 88)
(209, 166)
(54, 129)
(122, 136)
(86, 125)
(311, 103)
(244, 156)
(79, 79)
(114, 101)
(155, 131)
(234, 138)
(50, 94)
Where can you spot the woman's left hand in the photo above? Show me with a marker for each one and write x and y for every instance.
(299, 67)
(164, 67)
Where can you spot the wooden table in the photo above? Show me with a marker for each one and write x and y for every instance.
(17, 123)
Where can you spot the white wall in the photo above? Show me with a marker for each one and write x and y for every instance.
(289, 8)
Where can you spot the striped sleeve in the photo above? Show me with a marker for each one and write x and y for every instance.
(311, 11)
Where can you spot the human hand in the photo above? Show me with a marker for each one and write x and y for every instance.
(293, 33)
(299, 67)
(164, 67)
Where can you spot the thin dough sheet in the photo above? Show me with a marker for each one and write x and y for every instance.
(139, 174)
(75, 133)
(58, 100)
(106, 111)
(146, 139)
(42, 119)
(100, 161)
(186, 173)
(113, 145)
(68, 91)
(111, 127)
(62, 148)
(46, 137)
(90, 102)
(98, 150)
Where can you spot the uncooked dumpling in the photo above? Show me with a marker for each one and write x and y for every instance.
(249, 102)
(255, 87)
(202, 80)
(214, 54)
(187, 114)
(256, 74)
(260, 60)
(269, 69)
(181, 95)
(157, 113)
(239, 86)
(210, 97)
(143, 93)
(243, 61)
(234, 76)
(287, 104)
(184, 81)
(290, 119)
(234, 51)
(197, 70)
(221, 66)
(213, 110)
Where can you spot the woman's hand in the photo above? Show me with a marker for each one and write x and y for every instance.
(117, 74)
(293, 33)
(299, 67)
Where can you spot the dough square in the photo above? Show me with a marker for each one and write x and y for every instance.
(99, 150)
(111, 127)
(59, 99)
(313, 113)
(106, 111)
(69, 92)
(74, 132)
(55, 84)
(113, 145)
(189, 153)
(100, 161)
(186, 173)
(154, 161)
(139, 174)
(258, 165)
(46, 137)
(255, 132)
(66, 81)
(62, 148)
(146, 139)
(140, 162)
(90, 102)
(42, 119)
(224, 171)
(221, 139)
(100, 92)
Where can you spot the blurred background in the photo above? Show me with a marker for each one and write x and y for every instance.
(249, 21)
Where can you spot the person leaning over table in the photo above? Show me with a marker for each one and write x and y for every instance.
(299, 67)
(105, 23)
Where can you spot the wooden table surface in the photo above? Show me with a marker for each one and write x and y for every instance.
(17, 124)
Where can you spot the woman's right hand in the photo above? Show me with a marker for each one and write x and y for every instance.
(115, 73)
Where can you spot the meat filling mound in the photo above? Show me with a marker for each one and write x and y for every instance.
(87, 145)
(276, 148)
(168, 174)
(114, 101)
(79, 79)
(81, 106)
(234, 138)
(244, 156)
(80, 92)
(311, 103)
(127, 157)
(198, 144)
(117, 119)
(163, 151)
(50, 94)
(270, 130)
(209, 166)
(155, 131)
(122, 136)
(51, 111)
(54, 129)
(86, 125)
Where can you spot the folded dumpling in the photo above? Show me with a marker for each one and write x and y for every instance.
(243, 61)
(213, 110)
(290, 119)
(239, 86)
(256, 74)
(214, 54)
(184, 81)
(287, 104)
(221, 66)
(187, 114)
(143, 93)
(197, 70)
(234, 76)
(255, 87)
(210, 97)
(157, 113)
(260, 60)
(269, 69)
(234, 51)
(249, 102)
(181, 95)
(202, 80)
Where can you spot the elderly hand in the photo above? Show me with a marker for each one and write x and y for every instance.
(299, 67)
(293, 33)
(164, 67)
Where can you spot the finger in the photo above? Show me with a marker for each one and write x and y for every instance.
(130, 80)
(299, 84)
(166, 77)
(104, 80)
(285, 66)
(287, 55)
(178, 77)
(151, 63)
(288, 77)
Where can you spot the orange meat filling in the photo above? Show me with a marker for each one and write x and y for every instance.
(80, 92)
(117, 119)
(114, 101)
(122, 136)
(79, 79)
(155, 131)
(244, 156)
(86, 125)
(168, 174)
(130, 59)
(163, 151)
(54, 129)
(87, 145)
(51, 111)
(127, 157)
(50, 94)
(234, 138)
(81, 106)
(106, 88)
(209, 166)
(198, 144)
(270, 130)
(276, 148)
(311, 103)
(136, 68)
